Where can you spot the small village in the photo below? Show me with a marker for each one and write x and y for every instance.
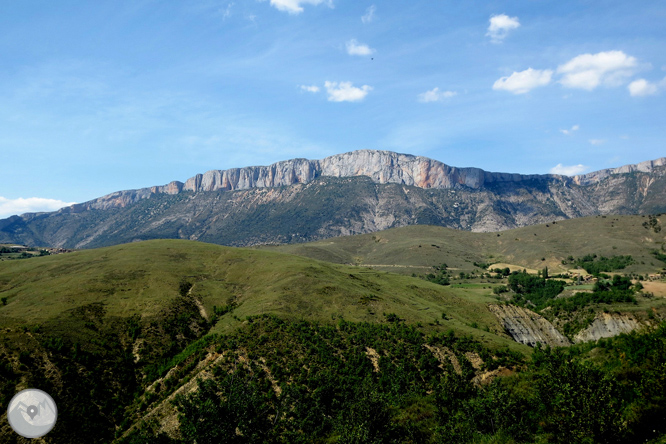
(11, 252)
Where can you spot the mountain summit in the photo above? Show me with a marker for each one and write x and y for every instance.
(356, 192)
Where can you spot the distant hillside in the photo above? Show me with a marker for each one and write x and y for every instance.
(359, 192)
(416, 249)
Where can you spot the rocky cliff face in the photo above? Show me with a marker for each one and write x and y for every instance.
(382, 167)
(607, 325)
(597, 176)
(528, 327)
(352, 193)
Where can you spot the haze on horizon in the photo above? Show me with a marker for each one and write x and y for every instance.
(99, 97)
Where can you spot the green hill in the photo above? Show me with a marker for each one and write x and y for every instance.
(107, 322)
(141, 279)
(416, 249)
(320, 351)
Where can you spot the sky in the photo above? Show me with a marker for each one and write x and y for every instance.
(110, 95)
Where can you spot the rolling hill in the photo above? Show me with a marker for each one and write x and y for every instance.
(416, 249)
(138, 337)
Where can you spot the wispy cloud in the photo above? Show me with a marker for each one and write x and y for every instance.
(310, 88)
(597, 141)
(346, 92)
(356, 48)
(435, 95)
(294, 6)
(571, 170)
(568, 132)
(369, 15)
(524, 81)
(226, 12)
(499, 27)
(588, 71)
(10, 207)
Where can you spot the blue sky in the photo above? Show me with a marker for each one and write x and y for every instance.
(102, 96)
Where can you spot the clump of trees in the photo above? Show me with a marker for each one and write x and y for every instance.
(595, 265)
(439, 276)
(534, 289)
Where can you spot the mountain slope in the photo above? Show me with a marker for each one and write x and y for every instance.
(94, 328)
(416, 249)
(118, 333)
(358, 192)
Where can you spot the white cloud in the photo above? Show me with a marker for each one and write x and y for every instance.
(597, 141)
(369, 14)
(294, 6)
(10, 207)
(568, 132)
(499, 27)
(571, 170)
(642, 87)
(587, 71)
(310, 88)
(435, 95)
(345, 92)
(522, 82)
(355, 48)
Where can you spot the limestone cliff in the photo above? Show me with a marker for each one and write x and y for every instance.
(597, 176)
(358, 192)
(382, 167)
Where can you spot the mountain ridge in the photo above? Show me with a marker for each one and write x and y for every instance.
(352, 193)
(380, 166)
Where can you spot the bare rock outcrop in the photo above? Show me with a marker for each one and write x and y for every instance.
(351, 193)
(597, 176)
(382, 167)
(607, 325)
(528, 327)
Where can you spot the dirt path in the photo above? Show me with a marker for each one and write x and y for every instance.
(202, 309)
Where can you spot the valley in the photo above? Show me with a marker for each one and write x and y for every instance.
(358, 325)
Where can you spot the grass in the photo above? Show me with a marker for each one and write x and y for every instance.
(142, 278)
(416, 249)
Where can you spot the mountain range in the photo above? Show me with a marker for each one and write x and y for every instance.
(358, 192)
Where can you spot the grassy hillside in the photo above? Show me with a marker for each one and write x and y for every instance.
(107, 322)
(135, 327)
(415, 249)
(142, 278)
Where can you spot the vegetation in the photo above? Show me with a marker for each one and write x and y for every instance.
(440, 276)
(410, 249)
(336, 393)
(652, 223)
(595, 265)
(659, 255)
(267, 347)
(537, 290)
